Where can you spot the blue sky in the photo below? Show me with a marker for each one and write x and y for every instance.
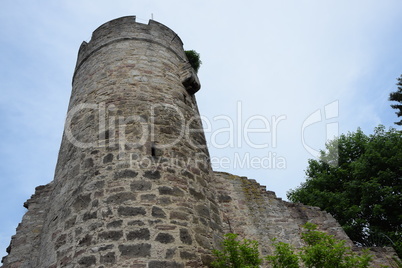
(278, 61)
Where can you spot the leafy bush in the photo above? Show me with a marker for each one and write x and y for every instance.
(284, 256)
(321, 251)
(194, 59)
(237, 254)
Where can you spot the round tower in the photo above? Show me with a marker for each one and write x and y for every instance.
(132, 182)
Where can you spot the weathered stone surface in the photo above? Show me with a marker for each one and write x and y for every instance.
(164, 238)
(89, 216)
(203, 211)
(165, 190)
(114, 224)
(136, 223)
(111, 235)
(179, 215)
(164, 200)
(60, 241)
(224, 198)
(170, 253)
(203, 241)
(137, 250)
(86, 241)
(120, 198)
(109, 258)
(131, 211)
(87, 261)
(166, 227)
(185, 237)
(157, 212)
(107, 247)
(126, 174)
(88, 163)
(108, 158)
(82, 201)
(153, 175)
(148, 197)
(197, 195)
(141, 234)
(185, 255)
(140, 186)
(165, 264)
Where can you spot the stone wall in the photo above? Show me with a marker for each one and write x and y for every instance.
(24, 246)
(133, 185)
(251, 211)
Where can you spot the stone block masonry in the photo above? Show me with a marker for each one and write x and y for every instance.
(133, 185)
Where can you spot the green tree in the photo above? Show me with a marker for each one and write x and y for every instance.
(397, 96)
(364, 190)
(237, 254)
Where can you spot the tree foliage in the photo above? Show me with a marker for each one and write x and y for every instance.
(397, 96)
(364, 190)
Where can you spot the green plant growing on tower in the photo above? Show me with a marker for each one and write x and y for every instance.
(194, 59)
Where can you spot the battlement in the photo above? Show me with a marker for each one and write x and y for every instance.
(126, 28)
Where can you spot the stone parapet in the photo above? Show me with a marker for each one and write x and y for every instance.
(126, 28)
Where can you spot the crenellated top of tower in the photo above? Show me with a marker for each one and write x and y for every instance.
(126, 28)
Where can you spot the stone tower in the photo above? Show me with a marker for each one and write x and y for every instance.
(132, 182)
(133, 185)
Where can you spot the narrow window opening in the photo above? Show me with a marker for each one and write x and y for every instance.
(153, 150)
